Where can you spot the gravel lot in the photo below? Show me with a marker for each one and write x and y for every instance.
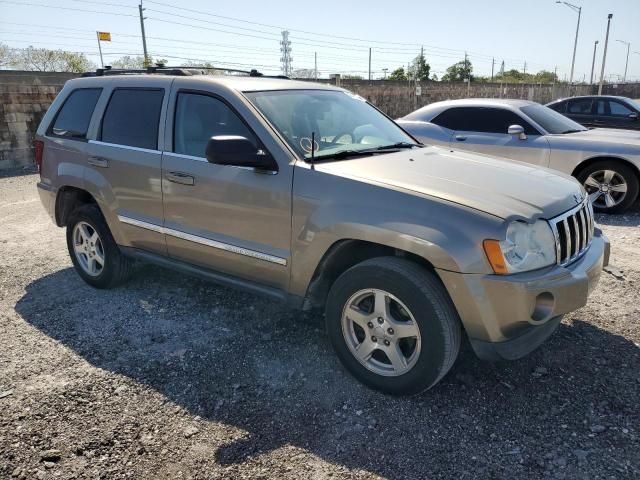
(171, 377)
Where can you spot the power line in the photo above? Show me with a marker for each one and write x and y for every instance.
(67, 8)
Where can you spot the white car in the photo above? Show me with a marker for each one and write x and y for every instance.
(605, 161)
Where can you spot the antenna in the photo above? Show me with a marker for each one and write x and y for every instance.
(313, 150)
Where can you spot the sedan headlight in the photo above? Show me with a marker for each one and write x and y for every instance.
(526, 247)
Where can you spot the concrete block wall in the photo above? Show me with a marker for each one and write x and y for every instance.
(24, 98)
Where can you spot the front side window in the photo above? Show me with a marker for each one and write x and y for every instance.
(132, 118)
(198, 118)
(619, 110)
(482, 119)
(581, 106)
(73, 118)
(338, 121)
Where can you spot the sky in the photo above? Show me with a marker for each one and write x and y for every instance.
(246, 33)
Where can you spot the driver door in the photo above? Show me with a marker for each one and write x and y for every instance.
(230, 219)
(484, 130)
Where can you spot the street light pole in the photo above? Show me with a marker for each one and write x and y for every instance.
(593, 62)
(628, 44)
(575, 8)
(604, 54)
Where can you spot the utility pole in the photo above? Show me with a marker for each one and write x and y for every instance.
(147, 61)
(315, 65)
(384, 71)
(100, 49)
(369, 63)
(628, 44)
(593, 62)
(604, 55)
(493, 62)
(524, 71)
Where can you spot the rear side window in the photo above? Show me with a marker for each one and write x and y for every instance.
(482, 119)
(132, 118)
(72, 120)
(200, 117)
(581, 106)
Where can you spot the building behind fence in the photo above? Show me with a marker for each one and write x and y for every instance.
(25, 97)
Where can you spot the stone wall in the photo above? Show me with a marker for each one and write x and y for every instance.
(24, 98)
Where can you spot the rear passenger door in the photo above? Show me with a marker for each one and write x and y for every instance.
(484, 130)
(124, 162)
(230, 219)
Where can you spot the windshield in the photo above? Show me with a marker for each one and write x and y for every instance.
(550, 120)
(634, 103)
(339, 121)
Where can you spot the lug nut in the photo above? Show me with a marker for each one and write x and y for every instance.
(374, 339)
(390, 331)
(370, 325)
(380, 320)
(387, 343)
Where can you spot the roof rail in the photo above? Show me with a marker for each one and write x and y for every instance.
(173, 70)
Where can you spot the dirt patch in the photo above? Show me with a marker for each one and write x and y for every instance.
(170, 377)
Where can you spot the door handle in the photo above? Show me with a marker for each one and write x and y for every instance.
(98, 162)
(461, 138)
(179, 177)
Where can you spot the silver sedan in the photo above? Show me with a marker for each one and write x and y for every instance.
(605, 161)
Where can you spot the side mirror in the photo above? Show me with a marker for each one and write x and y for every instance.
(237, 151)
(633, 116)
(517, 131)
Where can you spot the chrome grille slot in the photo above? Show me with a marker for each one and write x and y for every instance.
(573, 232)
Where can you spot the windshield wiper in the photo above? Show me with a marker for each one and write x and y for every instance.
(399, 145)
(344, 154)
(575, 130)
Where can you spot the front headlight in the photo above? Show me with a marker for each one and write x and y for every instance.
(526, 247)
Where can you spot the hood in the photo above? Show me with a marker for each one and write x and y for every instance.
(502, 188)
(612, 135)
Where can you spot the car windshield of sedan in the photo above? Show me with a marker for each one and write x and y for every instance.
(550, 120)
(342, 124)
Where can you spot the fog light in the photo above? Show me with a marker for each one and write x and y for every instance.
(543, 310)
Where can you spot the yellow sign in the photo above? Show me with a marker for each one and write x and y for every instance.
(104, 36)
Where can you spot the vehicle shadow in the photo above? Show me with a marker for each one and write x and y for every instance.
(233, 358)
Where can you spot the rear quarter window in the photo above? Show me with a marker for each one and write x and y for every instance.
(132, 117)
(72, 120)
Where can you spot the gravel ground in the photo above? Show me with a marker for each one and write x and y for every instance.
(171, 377)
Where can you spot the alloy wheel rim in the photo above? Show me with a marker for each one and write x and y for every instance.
(606, 188)
(88, 249)
(381, 332)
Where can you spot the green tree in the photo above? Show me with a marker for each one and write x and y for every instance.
(421, 68)
(459, 71)
(352, 77)
(45, 60)
(398, 74)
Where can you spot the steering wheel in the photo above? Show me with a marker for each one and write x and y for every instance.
(338, 137)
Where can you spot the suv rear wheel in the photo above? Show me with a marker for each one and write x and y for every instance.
(392, 325)
(612, 186)
(94, 253)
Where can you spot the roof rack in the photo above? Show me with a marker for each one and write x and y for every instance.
(184, 71)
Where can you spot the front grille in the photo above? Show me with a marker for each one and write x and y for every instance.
(573, 231)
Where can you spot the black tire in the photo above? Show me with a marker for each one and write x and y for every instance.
(425, 296)
(625, 171)
(117, 267)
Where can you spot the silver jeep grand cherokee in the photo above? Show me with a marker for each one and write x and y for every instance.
(308, 194)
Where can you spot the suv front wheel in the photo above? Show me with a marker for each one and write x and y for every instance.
(94, 253)
(393, 325)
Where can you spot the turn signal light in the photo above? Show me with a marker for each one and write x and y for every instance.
(495, 257)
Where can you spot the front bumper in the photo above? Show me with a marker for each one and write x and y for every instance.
(508, 316)
(48, 198)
